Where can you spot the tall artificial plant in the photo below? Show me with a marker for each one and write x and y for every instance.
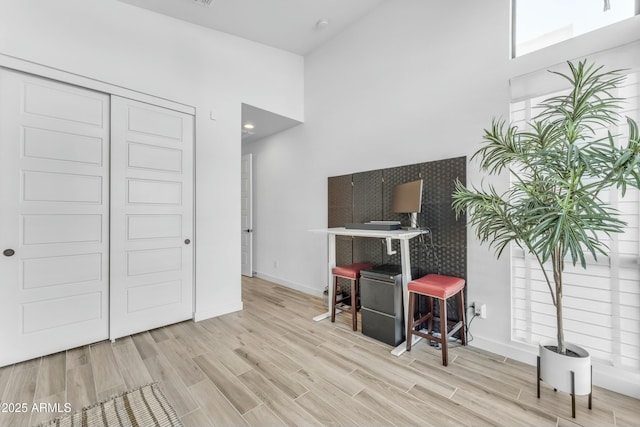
(560, 167)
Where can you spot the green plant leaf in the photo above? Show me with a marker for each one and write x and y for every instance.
(560, 166)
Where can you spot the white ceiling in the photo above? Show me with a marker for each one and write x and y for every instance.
(285, 24)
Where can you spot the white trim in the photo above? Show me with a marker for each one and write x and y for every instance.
(540, 82)
(602, 39)
(290, 285)
(89, 83)
(217, 311)
(613, 379)
(520, 352)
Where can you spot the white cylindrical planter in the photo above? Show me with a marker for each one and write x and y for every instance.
(555, 368)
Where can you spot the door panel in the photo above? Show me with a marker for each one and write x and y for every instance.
(70, 310)
(65, 146)
(62, 187)
(69, 228)
(59, 270)
(147, 192)
(159, 158)
(151, 217)
(54, 177)
(156, 226)
(154, 261)
(69, 105)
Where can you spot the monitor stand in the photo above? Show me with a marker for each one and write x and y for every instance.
(413, 222)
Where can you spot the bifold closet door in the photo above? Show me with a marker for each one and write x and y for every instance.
(151, 217)
(54, 229)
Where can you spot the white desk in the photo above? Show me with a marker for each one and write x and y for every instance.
(403, 236)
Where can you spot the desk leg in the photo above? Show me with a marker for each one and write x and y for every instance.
(405, 257)
(332, 263)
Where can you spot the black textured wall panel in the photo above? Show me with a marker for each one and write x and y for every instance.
(444, 251)
(367, 196)
(439, 181)
(369, 250)
(367, 206)
(340, 201)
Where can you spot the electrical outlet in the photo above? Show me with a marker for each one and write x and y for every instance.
(476, 309)
(479, 310)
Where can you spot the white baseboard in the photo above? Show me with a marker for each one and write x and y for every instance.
(603, 376)
(291, 285)
(627, 383)
(217, 311)
(516, 351)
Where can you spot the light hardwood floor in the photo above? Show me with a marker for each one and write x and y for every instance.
(271, 365)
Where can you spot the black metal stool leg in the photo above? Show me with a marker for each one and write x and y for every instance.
(573, 394)
(591, 387)
(538, 377)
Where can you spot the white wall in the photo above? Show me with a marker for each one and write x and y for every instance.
(414, 81)
(140, 50)
(403, 85)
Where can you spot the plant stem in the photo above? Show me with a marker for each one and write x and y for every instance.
(558, 264)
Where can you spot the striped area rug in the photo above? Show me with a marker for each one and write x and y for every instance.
(141, 407)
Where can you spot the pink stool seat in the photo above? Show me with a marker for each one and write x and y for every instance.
(351, 271)
(437, 286)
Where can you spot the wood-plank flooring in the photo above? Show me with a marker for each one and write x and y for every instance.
(271, 365)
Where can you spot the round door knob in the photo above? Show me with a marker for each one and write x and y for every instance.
(187, 241)
(8, 252)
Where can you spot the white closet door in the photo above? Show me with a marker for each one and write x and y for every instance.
(54, 230)
(151, 217)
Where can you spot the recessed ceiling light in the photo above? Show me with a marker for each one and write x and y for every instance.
(248, 126)
(205, 3)
(322, 24)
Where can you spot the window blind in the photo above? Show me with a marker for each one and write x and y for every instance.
(601, 302)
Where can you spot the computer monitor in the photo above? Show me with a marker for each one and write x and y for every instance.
(407, 198)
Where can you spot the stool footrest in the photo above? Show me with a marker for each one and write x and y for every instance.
(454, 324)
(427, 335)
(455, 329)
(422, 319)
(343, 306)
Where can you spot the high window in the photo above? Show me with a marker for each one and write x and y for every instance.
(540, 23)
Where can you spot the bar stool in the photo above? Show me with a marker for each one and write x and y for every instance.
(350, 272)
(440, 287)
